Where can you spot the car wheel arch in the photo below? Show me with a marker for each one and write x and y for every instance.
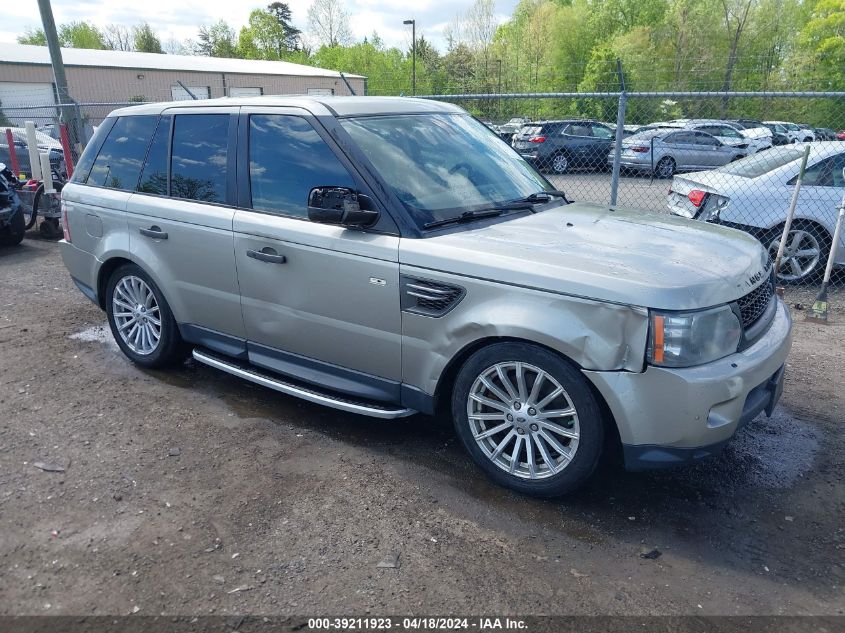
(110, 265)
(446, 381)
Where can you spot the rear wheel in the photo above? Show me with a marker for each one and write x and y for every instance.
(528, 419)
(805, 254)
(665, 167)
(140, 319)
(560, 164)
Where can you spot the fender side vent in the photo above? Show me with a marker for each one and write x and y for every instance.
(429, 298)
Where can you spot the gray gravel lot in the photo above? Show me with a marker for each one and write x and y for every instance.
(191, 492)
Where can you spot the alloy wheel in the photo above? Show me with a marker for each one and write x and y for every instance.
(137, 316)
(801, 254)
(523, 420)
(560, 164)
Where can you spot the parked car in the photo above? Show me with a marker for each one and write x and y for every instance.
(825, 134)
(840, 135)
(795, 133)
(12, 222)
(507, 130)
(388, 256)
(750, 141)
(754, 195)
(45, 144)
(778, 132)
(558, 146)
(665, 151)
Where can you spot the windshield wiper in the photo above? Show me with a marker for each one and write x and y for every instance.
(541, 197)
(466, 216)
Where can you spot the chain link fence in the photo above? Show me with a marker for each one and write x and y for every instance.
(726, 158)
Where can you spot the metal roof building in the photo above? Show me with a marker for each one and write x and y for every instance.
(95, 76)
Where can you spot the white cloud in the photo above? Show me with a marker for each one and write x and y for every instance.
(180, 20)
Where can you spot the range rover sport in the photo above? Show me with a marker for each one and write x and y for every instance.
(388, 256)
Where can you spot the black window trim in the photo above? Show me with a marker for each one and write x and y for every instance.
(100, 149)
(387, 224)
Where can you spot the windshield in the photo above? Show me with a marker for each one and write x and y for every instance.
(762, 162)
(442, 164)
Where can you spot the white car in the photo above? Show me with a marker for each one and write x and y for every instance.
(795, 133)
(753, 194)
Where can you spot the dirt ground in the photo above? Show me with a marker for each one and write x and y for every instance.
(192, 492)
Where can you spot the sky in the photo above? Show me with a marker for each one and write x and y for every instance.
(179, 19)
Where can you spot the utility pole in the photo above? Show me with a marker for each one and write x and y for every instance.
(62, 94)
(413, 24)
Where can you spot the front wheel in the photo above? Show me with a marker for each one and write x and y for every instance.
(140, 319)
(13, 234)
(528, 419)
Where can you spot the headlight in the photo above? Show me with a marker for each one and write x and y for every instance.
(685, 339)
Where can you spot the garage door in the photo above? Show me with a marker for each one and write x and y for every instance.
(237, 91)
(19, 98)
(200, 92)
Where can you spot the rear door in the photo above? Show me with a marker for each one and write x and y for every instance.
(320, 302)
(180, 221)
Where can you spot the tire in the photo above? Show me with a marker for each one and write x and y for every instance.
(665, 167)
(128, 301)
(560, 164)
(812, 240)
(13, 234)
(574, 458)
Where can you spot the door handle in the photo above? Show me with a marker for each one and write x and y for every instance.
(154, 232)
(267, 255)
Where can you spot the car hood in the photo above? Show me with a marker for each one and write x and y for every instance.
(606, 253)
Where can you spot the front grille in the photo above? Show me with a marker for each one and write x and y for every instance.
(429, 298)
(753, 305)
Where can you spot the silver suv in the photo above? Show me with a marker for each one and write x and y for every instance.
(389, 256)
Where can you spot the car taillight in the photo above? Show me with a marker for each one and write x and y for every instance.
(696, 196)
(639, 150)
(65, 226)
(537, 139)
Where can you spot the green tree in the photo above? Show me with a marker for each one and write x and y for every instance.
(281, 11)
(217, 40)
(264, 37)
(145, 39)
(33, 36)
(81, 35)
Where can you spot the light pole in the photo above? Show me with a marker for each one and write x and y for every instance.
(413, 24)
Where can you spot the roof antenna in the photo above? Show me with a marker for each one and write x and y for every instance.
(342, 76)
(185, 88)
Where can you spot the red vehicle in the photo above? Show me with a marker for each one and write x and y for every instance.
(841, 135)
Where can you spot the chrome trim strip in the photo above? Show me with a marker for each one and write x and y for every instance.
(298, 392)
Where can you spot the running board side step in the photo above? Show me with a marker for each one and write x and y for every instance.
(311, 395)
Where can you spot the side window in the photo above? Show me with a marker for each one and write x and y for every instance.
(825, 173)
(580, 129)
(287, 158)
(154, 174)
(118, 165)
(704, 139)
(680, 138)
(599, 131)
(199, 158)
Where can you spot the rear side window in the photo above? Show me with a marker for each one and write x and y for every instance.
(83, 166)
(199, 159)
(287, 158)
(154, 175)
(118, 165)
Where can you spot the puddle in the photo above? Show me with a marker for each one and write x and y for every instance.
(97, 334)
(775, 452)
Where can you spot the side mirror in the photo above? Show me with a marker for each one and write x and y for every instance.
(340, 205)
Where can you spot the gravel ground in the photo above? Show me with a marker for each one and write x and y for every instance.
(191, 492)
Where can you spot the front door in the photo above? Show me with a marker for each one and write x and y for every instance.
(320, 303)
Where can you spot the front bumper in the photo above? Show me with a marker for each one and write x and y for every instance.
(669, 416)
